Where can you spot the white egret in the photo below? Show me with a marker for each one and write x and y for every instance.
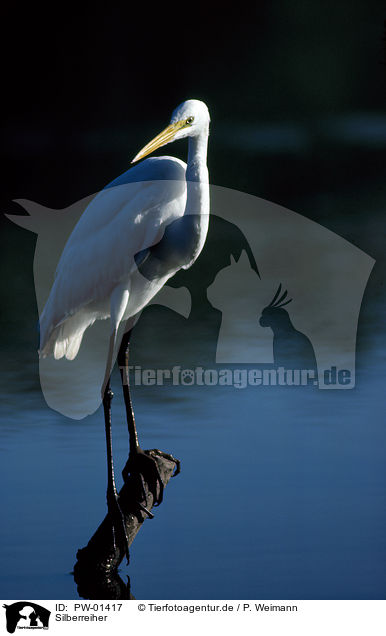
(118, 257)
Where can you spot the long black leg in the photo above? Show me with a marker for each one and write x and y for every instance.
(115, 512)
(123, 362)
(141, 466)
(107, 398)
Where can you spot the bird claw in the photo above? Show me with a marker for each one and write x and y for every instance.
(142, 507)
(143, 470)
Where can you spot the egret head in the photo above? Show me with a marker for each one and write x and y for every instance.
(189, 119)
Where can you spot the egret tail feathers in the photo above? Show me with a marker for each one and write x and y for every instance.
(66, 338)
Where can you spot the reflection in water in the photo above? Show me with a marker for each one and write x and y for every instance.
(96, 585)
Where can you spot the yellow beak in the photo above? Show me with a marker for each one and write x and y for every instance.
(163, 138)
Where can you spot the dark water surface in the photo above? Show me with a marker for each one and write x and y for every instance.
(281, 493)
(282, 490)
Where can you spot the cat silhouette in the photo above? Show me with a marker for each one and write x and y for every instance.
(238, 292)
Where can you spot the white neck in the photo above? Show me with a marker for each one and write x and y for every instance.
(198, 147)
(197, 196)
(197, 178)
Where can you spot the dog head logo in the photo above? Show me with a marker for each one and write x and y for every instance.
(25, 614)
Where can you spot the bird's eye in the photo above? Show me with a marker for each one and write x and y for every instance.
(190, 121)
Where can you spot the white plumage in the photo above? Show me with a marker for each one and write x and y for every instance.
(97, 276)
(132, 237)
(94, 264)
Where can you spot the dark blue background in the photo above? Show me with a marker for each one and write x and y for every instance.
(282, 490)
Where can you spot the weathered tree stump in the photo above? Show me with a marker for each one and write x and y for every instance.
(99, 560)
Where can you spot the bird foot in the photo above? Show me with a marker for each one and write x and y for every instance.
(118, 522)
(143, 471)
